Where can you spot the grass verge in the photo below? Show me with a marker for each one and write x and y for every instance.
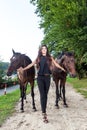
(7, 104)
(79, 85)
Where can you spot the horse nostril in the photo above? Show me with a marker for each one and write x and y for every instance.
(8, 74)
(73, 75)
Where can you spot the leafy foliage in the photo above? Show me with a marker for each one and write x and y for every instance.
(65, 26)
(3, 68)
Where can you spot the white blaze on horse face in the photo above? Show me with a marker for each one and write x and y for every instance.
(13, 58)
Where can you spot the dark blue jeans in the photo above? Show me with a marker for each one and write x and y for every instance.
(43, 85)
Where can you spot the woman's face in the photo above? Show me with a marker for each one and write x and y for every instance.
(44, 51)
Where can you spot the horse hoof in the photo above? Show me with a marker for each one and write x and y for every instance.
(57, 106)
(65, 105)
(34, 109)
(26, 101)
(22, 110)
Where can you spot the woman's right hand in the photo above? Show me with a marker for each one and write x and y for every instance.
(63, 69)
(20, 70)
(20, 73)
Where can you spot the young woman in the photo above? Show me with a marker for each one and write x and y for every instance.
(44, 63)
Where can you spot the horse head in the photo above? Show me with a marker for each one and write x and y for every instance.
(15, 63)
(67, 61)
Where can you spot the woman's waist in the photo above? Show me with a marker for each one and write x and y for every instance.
(47, 74)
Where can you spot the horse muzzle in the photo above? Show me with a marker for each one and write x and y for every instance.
(73, 75)
(9, 73)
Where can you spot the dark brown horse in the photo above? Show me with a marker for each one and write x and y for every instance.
(21, 60)
(67, 61)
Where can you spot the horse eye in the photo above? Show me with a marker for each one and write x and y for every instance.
(12, 59)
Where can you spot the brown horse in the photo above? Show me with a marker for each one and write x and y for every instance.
(67, 61)
(21, 60)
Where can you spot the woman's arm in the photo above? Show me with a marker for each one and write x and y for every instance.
(57, 65)
(27, 67)
(30, 65)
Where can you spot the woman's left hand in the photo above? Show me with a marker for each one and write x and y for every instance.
(63, 69)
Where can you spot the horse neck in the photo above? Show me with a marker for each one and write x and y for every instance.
(25, 61)
(63, 65)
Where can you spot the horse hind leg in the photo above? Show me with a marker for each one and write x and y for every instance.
(64, 98)
(60, 91)
(32, 95)
(57, 95)
(25, 89)
(22, 98)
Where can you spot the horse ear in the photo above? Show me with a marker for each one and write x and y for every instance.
(73, 53)
(62, 58)
(13, 51)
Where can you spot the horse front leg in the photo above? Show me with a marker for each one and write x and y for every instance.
(60, 94)
(64, 98)
(22, 98)
(32, 94)
(25, 89)
(57, 94)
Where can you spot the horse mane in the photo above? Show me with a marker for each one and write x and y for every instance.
(25, 60)
(69, 53)
(60, 55)
(64, 53)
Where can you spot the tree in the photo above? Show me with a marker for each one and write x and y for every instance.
(3, 68)
(65, 26)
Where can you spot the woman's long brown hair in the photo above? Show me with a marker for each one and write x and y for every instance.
(49, 60)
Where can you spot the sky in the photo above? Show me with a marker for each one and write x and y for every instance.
(19, 29)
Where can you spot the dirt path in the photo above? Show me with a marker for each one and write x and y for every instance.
(72, 118)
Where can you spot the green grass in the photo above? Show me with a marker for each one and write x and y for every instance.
(79, 85)
(7, 104)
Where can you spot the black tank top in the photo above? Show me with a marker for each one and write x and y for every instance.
(44, 68)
